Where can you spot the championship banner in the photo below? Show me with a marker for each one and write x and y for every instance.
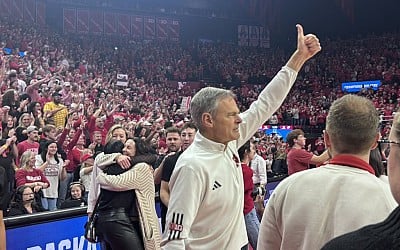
(41, 13)
(5, 7)
(96, 22)
(173, 30)
(254, 36)
(243, 35)
(110, 23)
(82, 21)
(162, 28)
(149, 27)
(123, 24)
(264, 38)
(29, 10)
(17, 10)
(69, 20)
(137, 26)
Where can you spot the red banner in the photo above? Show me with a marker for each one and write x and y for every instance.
(123, 24)
(149, 27)
(69, 20)
(82, 21)
(29, 11)
(41, 13)
(110, 23)
(162, 28)
(137, 26)
(96, 22)
(174, 30)
(5, 7)
(17, 10)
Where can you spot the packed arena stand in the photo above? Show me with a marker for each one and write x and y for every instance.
(68, 82)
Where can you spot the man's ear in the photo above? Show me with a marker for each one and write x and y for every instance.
(377, 137)
(327, 139)
(207, 120)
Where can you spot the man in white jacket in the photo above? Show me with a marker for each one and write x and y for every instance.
(205, 209)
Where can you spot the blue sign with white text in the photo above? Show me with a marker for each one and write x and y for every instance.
(357, 86)
(55, 235)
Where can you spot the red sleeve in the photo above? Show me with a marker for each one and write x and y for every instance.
(74, 140)
(76, 156)
(20, 177)
(108, 122)
(91, 124)
(62, 137)
(77, 123)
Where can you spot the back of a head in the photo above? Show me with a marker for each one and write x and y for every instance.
(244, 149)
(206, 101)
(352, 124)
(113, 146)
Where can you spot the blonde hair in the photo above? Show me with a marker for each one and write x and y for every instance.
(20, 124)
(110, 132)
(25, 157)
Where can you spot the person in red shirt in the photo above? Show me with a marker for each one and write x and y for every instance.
(30, 144)
(246, 154)
(299, 159)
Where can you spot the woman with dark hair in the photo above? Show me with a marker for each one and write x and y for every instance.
(133, 190)
(8, 127)
(35, 108)
(375, 160)
(54, 170)
(246, 155)
(24, 202)
(11, 99)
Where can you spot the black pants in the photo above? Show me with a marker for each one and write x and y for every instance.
(117, 231)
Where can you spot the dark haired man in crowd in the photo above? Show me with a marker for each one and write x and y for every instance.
(299, 159)
(187, 136)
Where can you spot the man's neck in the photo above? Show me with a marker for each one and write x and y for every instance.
(296, 146)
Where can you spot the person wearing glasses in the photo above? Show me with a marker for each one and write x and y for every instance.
(24, 202)
(311, 207)
(386, 234)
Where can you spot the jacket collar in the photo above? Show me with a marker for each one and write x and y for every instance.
(351, 161)
(209, 144)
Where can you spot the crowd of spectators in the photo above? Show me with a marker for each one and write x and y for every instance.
(64, 88)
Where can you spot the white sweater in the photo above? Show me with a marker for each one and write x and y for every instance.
(206, 201)
(311, 207)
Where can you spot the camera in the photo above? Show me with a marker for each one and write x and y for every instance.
(257, 190)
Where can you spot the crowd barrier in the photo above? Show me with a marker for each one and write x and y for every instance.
(56, 230)
(63, 229)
